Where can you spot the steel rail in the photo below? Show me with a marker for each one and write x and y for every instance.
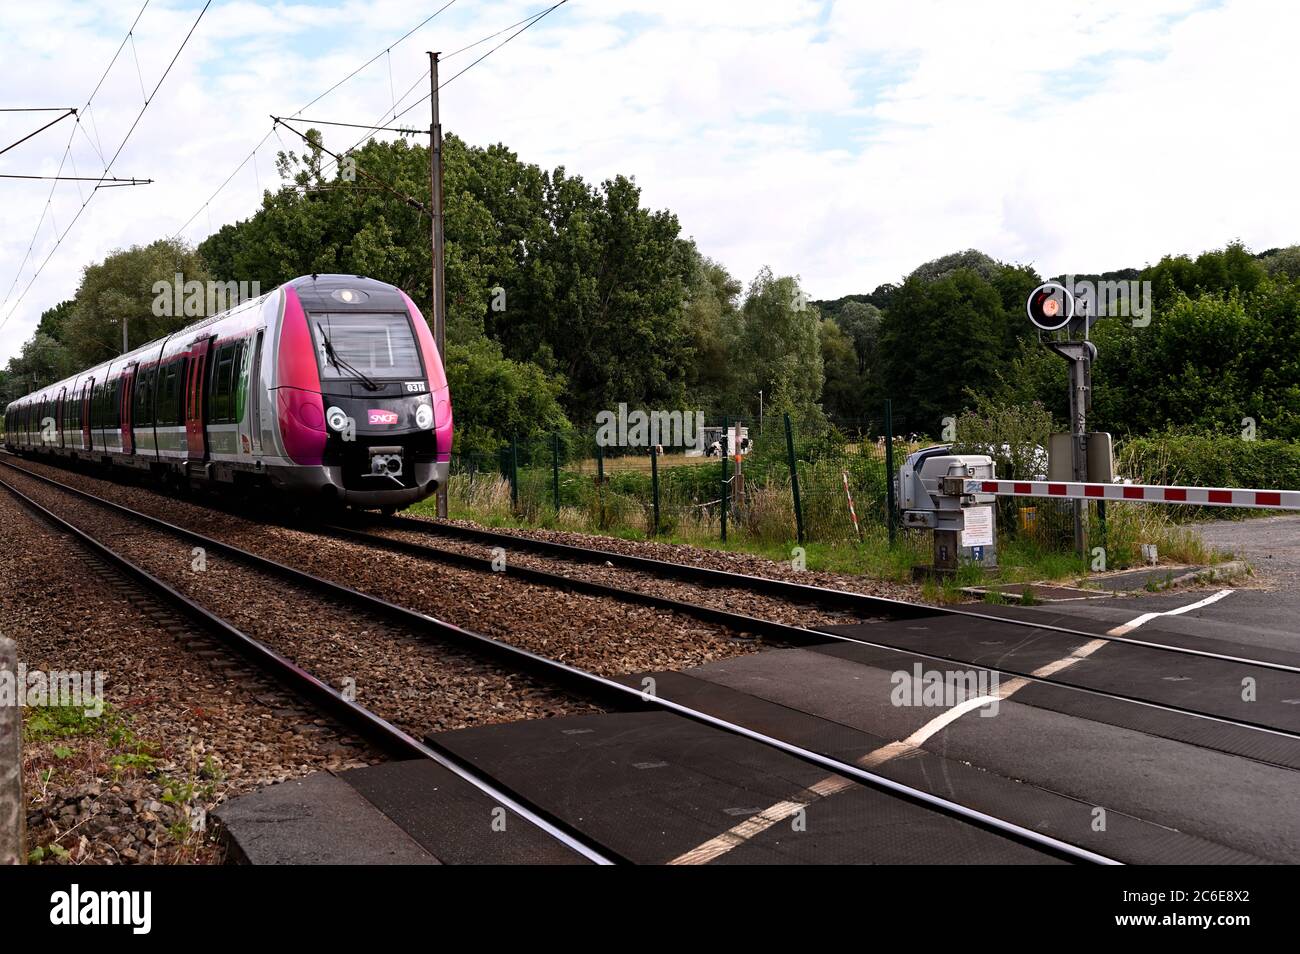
(823, 596)
(798, 635)
(602, 688)
(387, 736)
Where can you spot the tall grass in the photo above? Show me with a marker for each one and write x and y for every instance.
(1035, 537)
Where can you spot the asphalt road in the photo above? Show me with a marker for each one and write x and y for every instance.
(1263, 610)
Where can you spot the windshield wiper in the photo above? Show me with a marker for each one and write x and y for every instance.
(343, 365)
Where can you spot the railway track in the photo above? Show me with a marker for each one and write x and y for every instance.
(312, 689)
(859, 605)
(1277, 743)
(599, 689)
(793, 635)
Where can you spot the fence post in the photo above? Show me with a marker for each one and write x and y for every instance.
(794, 479)
(726, 488)
(514, 473)
(555, 470)
(654, 484)
(600, 480)
(889, 470)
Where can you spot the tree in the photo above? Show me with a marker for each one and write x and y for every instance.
(495, 398)
(584, 282)
(939, 338)
(712, 315)
(842, 395)
(970, 260)
(1217, 272)
(44, 357)
(1283, 263)
(778, 350)
(861, 322)
(121, 288)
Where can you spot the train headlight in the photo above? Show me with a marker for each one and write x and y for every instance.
(424, 417)
(336, 419)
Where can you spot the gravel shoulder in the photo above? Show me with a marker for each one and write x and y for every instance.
(728, 560)
(598, 634)
(181, 730)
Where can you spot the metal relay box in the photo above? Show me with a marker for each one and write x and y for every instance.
(929, 489)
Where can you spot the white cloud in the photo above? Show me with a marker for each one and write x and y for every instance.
(846, 143)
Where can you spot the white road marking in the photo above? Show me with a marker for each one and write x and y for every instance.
(834, 784)
(1148, 617)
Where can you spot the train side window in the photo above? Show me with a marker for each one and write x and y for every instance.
(182, 376)
(165, 404)
(169, 395)
(142, 413)
(221, 408)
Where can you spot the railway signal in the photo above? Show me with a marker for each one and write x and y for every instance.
(1063, 328)
(1050, 307)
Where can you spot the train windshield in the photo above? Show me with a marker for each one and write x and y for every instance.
(365, 347)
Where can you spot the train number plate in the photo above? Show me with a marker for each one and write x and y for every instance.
(382, 417)
(415, 387)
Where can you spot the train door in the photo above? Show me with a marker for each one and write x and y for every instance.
(61, 415)
(255, 396)
(87, 394)
(196, 411)
(126, 392)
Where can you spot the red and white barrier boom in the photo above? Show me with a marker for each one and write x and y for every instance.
(1149, 493)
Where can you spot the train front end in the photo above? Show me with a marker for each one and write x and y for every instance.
(364, 409)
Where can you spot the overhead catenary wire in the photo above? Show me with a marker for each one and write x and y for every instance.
(378, 126)
(52, 122)
(120, 181)
(527, 22)
(125, 139)
(409, 200)
(66, 150)
(298, 112)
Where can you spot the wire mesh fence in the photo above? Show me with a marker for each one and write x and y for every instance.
(766, 482)
(737, 478)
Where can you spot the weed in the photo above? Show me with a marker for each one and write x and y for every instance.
(47, 723)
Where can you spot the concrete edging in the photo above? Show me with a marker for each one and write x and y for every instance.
(13, 815)
(1212, 574)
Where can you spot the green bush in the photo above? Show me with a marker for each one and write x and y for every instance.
(1204, 461)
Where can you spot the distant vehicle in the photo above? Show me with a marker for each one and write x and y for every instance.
(328, 388)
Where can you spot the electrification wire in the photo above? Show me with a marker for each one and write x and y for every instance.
(262, 143)
(70, 112)
(131, 181)
(413, 202)
(66, 149)
(528, 22)
(149, 99)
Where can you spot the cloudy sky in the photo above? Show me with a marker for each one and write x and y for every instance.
(844, 142)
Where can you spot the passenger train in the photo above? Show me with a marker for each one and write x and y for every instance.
(329, 389)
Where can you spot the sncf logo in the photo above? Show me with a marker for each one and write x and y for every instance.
(382, 417)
